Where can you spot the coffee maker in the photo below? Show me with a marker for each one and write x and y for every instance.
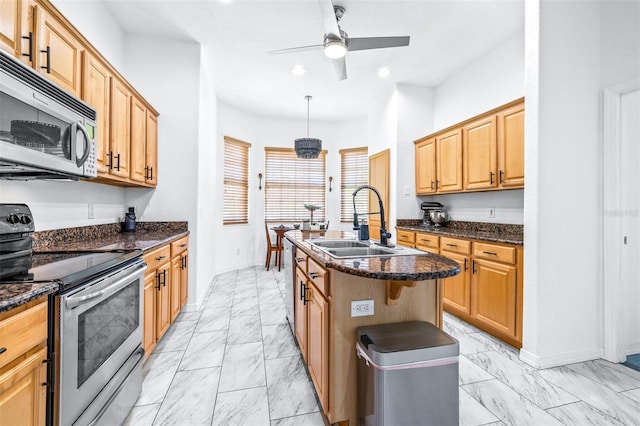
(427, 208)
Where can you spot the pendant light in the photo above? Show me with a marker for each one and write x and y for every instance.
(308, 147)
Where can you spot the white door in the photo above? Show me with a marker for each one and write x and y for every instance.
(621, 290)
(630, 203)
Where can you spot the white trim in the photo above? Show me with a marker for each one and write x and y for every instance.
(559, 359)
(613, 296)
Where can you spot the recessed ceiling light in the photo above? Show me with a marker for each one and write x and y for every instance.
(298, 70)
(384, 72)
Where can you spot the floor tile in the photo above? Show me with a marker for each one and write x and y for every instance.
(158, 371)
(525, 382)
(472, 413)
(189, 316)
(273, 314)
(581, 414)
(214, 319)
(190, 399)
(245, 329)
(470, 372)
(243, 407)
(507, 405)
(205, 350)
(245, 291)
(291, 398)
(607, 374)
(245, 306)
(142, 415)
(313, 419)
(278, 341)
(602, 398)
(177, 337)
(285, 369)
(242, 367)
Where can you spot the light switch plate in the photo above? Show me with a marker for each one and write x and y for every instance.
(361, 308)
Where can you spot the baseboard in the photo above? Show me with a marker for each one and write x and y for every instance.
(560, 359)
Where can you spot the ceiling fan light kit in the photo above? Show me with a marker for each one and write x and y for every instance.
(335, 49)
(308, 148)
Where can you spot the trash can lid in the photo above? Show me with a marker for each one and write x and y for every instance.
(405, 342)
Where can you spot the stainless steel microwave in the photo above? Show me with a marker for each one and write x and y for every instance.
(45, 132)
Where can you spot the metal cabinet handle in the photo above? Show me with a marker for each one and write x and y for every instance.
(299, 259)
(118, 160)
(313, 275)
(452, 245)
(466, 267)
(30, 54)
(490, 253)
(3, 350)
(48, 66)
(501, 176)
(437, 184)
(148, 173)
(110, 160)
(491, 178)
(160, 258)
(473, 267)
(432, 185)
(302, 290)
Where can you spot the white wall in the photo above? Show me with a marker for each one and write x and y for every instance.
(245, 245)
(563, 213)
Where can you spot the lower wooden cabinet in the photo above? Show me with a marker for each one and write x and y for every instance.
(165, 290)
(495, 291)
(311, 312)
(456, 290)
(23, 366)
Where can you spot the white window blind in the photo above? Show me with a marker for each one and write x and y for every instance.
(290, 183)
(354, 172)
(236, 182)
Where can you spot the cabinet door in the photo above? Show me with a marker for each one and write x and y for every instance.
(10, 34)
(138, 139)
(184, 278)
(480, 154)
(149, 324)
(96, 91)
(379, 179)
(456, 290)
(318, 344)
(511, 147)
(426, 167)
(163, 300)
(449, 161)
(22, 399)
(300, 311)
(494, 289)
(176, 276)
(58, 52)
(120, 128)
(152, 149)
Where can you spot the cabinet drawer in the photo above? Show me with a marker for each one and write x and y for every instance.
(455, 245)
(406, 237)
(427, 240)
(301, 259)
(179, 246)
(157, 257)
(22, 331)
(503, 254)
(317, 274)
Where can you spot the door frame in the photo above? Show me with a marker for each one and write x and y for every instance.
(613, 288)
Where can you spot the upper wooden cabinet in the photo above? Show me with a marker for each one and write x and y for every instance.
(127, 126)
(481, 154)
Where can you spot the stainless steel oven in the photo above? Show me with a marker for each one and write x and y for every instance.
(98, 346)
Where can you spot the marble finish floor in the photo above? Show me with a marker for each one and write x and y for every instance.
(235, 362)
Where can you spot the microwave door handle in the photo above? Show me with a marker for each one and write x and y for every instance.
(87, 144)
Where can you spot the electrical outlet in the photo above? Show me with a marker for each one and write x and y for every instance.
(90, 211)
(361, 308)
(492, 212)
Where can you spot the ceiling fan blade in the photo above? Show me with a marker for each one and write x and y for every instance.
(365, 43)
(340, 67)
(296, 49)
(329, 18)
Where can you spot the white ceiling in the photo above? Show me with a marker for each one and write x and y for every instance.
(445, 37)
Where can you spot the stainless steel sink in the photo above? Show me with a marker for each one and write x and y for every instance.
(348, 252)
(332, 244)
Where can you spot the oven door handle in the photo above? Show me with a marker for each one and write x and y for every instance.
(75, 301)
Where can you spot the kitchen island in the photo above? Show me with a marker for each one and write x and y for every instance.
(401, 287)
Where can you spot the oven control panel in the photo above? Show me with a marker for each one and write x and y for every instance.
(15, 218)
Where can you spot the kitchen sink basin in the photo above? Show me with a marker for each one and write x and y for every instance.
(333, 244)
(348, 252)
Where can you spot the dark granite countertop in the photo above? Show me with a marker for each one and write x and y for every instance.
(419, 267)
(148, 235)
(497, 233)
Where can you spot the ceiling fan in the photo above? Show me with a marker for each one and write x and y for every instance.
(337, 43)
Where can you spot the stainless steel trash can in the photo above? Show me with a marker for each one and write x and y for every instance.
(407, 375)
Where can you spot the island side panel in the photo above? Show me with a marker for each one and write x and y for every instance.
(419, 303)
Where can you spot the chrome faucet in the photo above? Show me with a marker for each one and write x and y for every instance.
(384, 235)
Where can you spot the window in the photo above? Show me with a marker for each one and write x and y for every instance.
(290, 183)
(354, 172)
(236, 182)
